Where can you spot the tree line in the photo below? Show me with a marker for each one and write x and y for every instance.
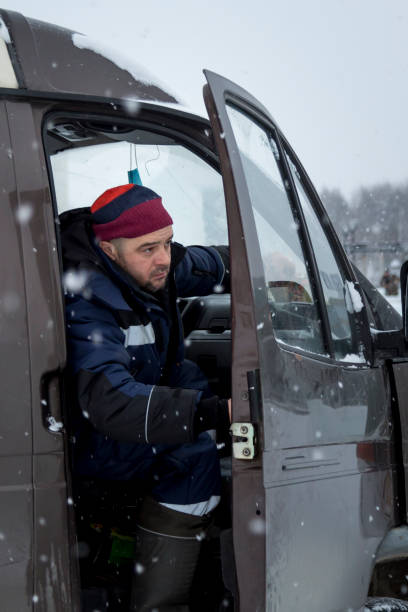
(371, 224)
(373, 215)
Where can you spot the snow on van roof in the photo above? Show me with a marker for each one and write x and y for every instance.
(120, 59)
(59, 61)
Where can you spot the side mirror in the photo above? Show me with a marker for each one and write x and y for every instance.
(404, 298)
(389, 344)
(287, 291)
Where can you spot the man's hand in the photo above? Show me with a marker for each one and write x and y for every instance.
(229, 410)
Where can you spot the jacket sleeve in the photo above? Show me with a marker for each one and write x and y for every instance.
(115, 403)
(202, 271)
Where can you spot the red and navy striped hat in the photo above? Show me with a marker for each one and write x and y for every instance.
(128, 211)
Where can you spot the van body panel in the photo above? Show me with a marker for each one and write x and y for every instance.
(52, 547)
(15, 374)
(328, 501)
(16, 440)
(16, 539)
(42, 285)
(337, 404)
(315, 562)
(54, 553)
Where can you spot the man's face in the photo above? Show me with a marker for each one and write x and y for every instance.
(146, 258)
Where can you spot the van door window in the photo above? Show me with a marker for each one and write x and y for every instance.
(293, 308)
(340, 295)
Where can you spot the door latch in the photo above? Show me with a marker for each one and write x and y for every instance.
(243, 440)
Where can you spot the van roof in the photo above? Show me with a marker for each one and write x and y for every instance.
(48, 58)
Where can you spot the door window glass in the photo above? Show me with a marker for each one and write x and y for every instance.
(340, 296)
(293, 309)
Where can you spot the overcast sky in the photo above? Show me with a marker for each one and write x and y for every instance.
(333, 73)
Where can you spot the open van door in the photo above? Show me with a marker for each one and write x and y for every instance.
(317, 497)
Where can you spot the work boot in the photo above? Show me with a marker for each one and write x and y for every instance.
(167, 546)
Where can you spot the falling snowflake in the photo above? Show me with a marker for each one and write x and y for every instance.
(10, 302)
(24, 213)
(131, 106)
(257, 526)
(96, 337)
(54, 425)
(74, 281)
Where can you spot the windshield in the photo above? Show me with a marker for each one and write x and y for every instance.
(191, 189)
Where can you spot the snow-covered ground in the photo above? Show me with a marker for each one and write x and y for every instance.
(394, 300)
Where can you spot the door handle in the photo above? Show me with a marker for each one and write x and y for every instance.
(51, 401)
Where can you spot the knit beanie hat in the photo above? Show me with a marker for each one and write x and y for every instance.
(128, 211)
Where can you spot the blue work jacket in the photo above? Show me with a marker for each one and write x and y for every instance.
(125, 346)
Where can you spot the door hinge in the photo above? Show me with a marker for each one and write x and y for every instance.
(243, 440)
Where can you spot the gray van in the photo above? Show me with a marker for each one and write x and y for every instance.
(316, 360)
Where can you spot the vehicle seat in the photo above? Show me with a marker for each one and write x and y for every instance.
(207, 330)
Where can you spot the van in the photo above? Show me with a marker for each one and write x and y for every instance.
(316, 360)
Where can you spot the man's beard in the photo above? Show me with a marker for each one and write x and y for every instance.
(149, 286)
(153, 288)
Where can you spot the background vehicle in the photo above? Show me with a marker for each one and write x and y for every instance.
(318, 359)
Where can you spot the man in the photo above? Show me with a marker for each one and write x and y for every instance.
(390, 281)
(144, 410)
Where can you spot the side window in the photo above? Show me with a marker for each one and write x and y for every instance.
(86, 162)
(294, 311)
(340, 296)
